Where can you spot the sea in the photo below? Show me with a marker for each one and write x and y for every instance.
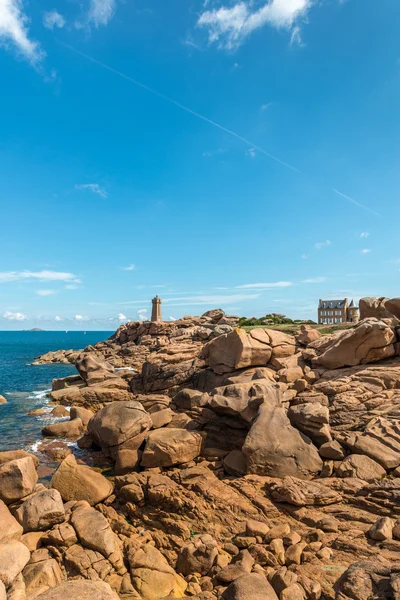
(26, 387)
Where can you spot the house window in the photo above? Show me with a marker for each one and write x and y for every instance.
(330, 321)
(338, 320)
(339, 312)
(330, 313)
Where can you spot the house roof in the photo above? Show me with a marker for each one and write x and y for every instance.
(332, 303)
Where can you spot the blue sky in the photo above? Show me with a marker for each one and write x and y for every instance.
(241, 154)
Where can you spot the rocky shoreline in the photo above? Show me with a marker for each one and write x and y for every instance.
(241, 465)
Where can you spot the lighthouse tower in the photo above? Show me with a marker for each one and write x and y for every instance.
(156, 310)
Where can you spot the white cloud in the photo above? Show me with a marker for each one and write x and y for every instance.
(80, 318)
(365, 251)
(93, 187)
(251, 152)
(172, 319)
(230, 26)
(128, 268)
(8, 276)
(17, 316)
(364, 234)
(320, 245)
(122, 318)
(265, 106)
(72, 286)
(14, 31)
(305, 256)
(142, 314)
(45, 292)
(52, 19)
(101, 12)
(57, 318)
(314, 280)
(295, 38)
(266, 286)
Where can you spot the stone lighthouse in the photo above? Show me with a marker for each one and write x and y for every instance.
(156, 310)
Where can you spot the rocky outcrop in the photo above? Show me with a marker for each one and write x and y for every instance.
(393, 307)
(198, 556)
(41, 511)
(246, 465)
(252, 586)
(303, 493)
(366, 579)
(80, 590)
(93, 368)
(371, 341)
(10, 529)
(18, 479)
(373, 307)
(273, 447)
(79, 482)
(72, 429)
(168, 447)
(152, 576)
(13, 557)
(360, 466)
(59, 356)
(118, 426)
(238, 349)
(313, 420)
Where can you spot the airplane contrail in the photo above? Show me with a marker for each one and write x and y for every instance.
(355, 202)
(179, 105)
(204, 118)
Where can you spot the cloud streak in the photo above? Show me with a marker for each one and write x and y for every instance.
(314, 280)
(45, 292)
(9, 276)
(320, 245)
(265, 286)
(93, 187)
(14, 31)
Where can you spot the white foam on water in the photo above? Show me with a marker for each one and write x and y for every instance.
(40, 394)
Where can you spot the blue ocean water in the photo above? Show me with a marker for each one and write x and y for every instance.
(25, 387)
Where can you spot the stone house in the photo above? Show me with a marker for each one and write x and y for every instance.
(334, 312)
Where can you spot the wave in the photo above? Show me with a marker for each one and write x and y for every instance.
(39, 394)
